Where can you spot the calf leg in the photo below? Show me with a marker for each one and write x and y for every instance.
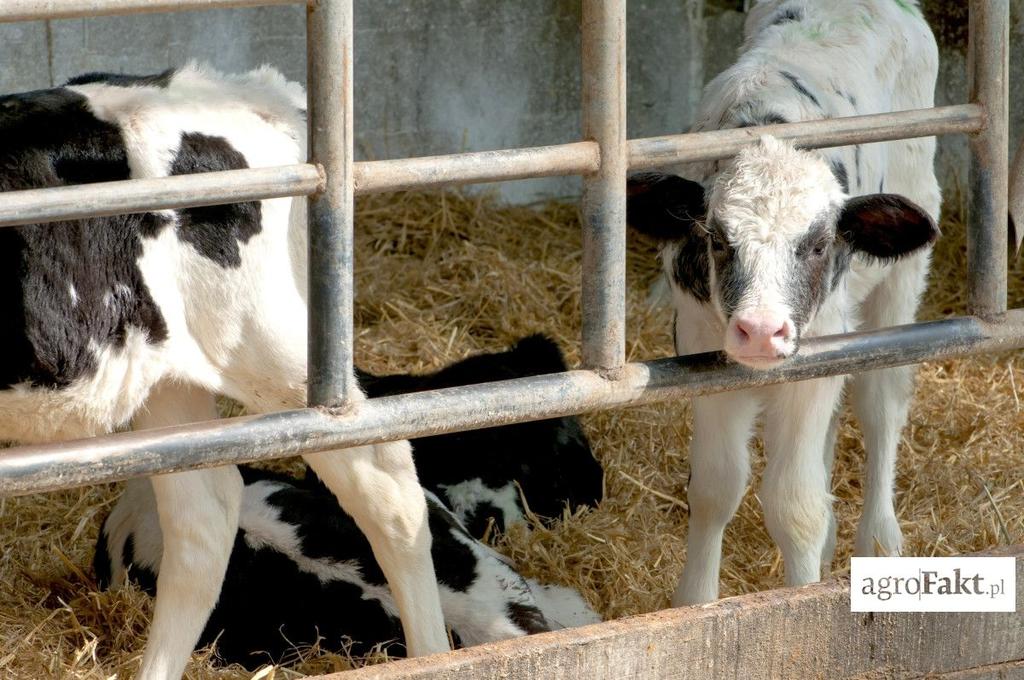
(377, 485)
(881, 401)
(198, 513)
(829, 458)
(719, 470)
(795, 492)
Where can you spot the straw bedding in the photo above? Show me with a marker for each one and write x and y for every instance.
(441, 276)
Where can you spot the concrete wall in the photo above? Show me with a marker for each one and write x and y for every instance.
(437, 76)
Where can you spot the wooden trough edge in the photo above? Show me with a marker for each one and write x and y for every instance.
(804, 632)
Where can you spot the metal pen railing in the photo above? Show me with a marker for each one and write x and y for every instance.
(331, 179)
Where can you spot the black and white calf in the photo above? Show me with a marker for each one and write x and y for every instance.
(780, 244)
(301, 572)
(141, 319)
(476, 472)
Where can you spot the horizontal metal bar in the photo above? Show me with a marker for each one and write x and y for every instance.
(30, 469)
(654, 152)
(30, 10)
(575, 158)
(140, 195)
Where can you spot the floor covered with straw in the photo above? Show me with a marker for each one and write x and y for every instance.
(442, 276)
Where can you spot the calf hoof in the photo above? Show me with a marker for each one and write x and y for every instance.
(879, 537)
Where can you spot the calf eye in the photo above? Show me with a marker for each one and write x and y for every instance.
(717, 244)
(818, 250)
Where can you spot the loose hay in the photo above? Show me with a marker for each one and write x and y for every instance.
(441, 276)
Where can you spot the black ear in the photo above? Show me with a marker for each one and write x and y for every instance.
(886, 226)
(664, 207)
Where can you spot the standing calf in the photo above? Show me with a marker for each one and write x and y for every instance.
(140, 319)
(780, 244)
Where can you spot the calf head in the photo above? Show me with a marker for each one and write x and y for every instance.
(769, 241)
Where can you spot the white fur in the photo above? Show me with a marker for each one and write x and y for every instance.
(885, 57)
(235, 331)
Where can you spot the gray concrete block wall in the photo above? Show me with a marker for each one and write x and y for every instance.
(440, 76)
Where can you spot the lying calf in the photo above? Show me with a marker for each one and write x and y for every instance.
(476, 472)
(301, 571)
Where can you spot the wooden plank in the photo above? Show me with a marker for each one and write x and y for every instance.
(795, 633)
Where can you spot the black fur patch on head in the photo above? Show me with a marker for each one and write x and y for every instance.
(690, 269)
(799, 87)
(550, 459)
(455, 564)
(528, 619)
(670, 208)
(786, 15)
(812, 277)
(732, 278)
(161, 80)
(50, 138)
(215, 231)
(839, 170)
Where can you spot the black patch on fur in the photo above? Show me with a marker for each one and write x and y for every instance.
(799, 87)
(812, 277)
(670, 209)
(143, 576)
(215, 231)
(787, 15)
(527, 618)
(881, 186)
(480, 516)
(885, 226)
(101, 566)
(839, 170)
(690, 269)
(550, 459)
(268, 606)
(733, 280)
(457, 568)
(161, 80)
(49, 138)
(764, 118)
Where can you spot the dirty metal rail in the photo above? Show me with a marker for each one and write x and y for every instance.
(31, 469)
(29, 10)
(575, 158)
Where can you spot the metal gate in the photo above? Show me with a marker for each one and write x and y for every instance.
(331, 178)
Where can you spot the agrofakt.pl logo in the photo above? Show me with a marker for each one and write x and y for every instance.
(933, 584)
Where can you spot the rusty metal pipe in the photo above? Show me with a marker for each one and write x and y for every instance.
(31, 10)
(34, 206)
(31, 469)
(139, 195)
(654, 152)
(329, 39)
(603, 31)
(575, 158)
(987, 206)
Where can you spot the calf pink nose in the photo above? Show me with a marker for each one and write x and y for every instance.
(763, 334)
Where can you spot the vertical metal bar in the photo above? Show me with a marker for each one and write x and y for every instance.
(329, 67)
(988, 66)
(603, 32)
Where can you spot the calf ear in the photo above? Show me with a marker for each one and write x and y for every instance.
(885, 226)
(664, 207)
